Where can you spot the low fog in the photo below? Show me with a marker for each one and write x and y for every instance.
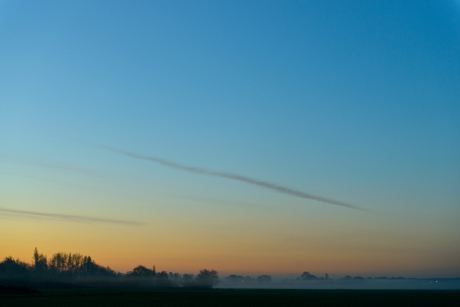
(64, 270)
(357, 282)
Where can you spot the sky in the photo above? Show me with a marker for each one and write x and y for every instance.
(191, 135)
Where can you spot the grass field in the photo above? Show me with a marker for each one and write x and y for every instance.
(223, 298)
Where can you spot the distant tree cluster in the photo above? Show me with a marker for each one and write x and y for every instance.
(243, 281)
(61, 269)
(307, 276)
(68, 270)
(238, 279)
(263, 279)
(348, 277)
(60, 265)
(75, 269)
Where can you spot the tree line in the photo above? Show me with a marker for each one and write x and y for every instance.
(64, 270)
(70, 270)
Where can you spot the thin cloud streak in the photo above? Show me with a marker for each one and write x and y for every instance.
(81, 170)
(236, 177)
(67, 217)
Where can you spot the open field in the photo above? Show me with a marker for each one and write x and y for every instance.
(223, 298)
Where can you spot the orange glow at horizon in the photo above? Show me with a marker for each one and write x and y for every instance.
(333, 251)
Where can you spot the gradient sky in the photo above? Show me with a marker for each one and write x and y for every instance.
(356, 101)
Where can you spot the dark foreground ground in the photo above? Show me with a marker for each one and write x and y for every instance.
(228, 297)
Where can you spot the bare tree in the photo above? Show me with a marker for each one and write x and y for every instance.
(207, 278)
(40, 261)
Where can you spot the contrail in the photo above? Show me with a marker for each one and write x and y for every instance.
(72, 218)
(231, 176)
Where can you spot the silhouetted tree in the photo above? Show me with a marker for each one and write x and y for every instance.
(175, 278)
(10, 267)
(188, 280)
(249, 280)
(162, 279)
(75, 263)
(264, 279)
(235, 279)
(141, 271)
(40, 262)
(238, 279)
(59, 262)
(207, 278)
(90, 268)
(307, 276)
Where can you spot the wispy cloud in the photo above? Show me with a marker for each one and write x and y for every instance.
(231, 176)
(58, 167)
(66, 217)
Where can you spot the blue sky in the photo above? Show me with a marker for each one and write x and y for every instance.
(356, 101)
